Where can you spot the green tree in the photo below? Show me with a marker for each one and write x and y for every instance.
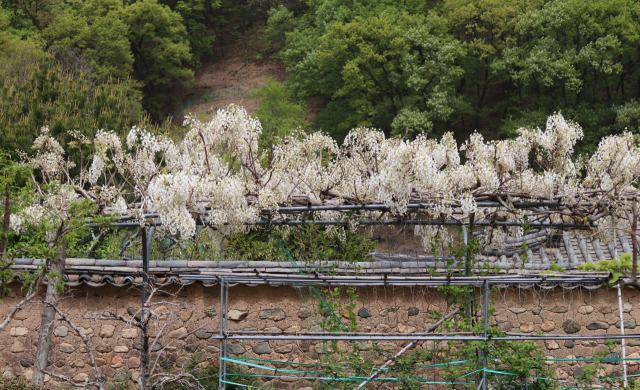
(393, 73)
(18, 57)
(199, 20)
(63, 101)
(276, 111)
(159, 46)
(94, 29)
(578, 57)
(486, 28)
(280, 22)
(463, 65)
(14, 194)
(28, 17)
(142, 39)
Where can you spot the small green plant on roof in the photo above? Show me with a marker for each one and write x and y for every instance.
(554, 268)
(617, 267)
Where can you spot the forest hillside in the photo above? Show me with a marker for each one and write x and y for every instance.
(408, 68)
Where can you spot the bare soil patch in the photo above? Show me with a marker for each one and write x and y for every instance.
(222, 81)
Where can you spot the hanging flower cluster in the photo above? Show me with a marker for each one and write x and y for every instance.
(219, 175)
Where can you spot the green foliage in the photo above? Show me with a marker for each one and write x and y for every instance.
(63, 101)
(394, 72)
(19, 383)
(159, 47)
(554, 268)
(198, 18)
(308, 243)
(208, 376)
(408, 68)
(116, 244)
(94, 29)
(520, 360)
(277, 113)
(109, 39)
(27, 18)
(616, 267)
(592, 373)
(14, 195)
(516, 361)
(486, 65)
(18, 57)
(628, 116)
(280, 22)
(121, 384)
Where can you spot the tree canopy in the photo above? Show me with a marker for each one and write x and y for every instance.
(464, 65)
(47, 95)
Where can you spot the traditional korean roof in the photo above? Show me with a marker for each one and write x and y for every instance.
(567, 250)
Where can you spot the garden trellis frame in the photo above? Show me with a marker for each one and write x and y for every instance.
(223, 334)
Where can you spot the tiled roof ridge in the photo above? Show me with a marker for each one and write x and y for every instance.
(570, 251)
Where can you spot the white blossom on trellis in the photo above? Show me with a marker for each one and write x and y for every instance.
(220, 175)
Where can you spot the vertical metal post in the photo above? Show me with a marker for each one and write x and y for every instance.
(467, 260)
(485, 313)
(145, 263)
(467, 263)
(624, 350)
(223, 313)
(615, 236)
(467, 272)
(465, 239)
(226, 326)
(146, 253)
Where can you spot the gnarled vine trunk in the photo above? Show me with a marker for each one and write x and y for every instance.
(49, 315)
(144, 350)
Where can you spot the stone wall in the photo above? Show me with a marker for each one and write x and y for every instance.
(403, 310)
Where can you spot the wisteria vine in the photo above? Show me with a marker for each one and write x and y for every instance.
(219, 172)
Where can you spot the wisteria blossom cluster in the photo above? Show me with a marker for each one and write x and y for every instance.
(220, 176)
(60, 202)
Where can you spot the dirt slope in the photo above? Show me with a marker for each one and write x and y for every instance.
(225, 80)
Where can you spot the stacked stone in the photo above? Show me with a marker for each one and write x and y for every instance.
(272, 309)
(570, 316)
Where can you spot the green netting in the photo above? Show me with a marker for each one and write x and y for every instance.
(315, 375)
(317, 304)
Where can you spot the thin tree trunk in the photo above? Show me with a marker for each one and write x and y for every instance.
(144, 350)
(5, 223)
(91, 252)
(22, 303)
(56, 267)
